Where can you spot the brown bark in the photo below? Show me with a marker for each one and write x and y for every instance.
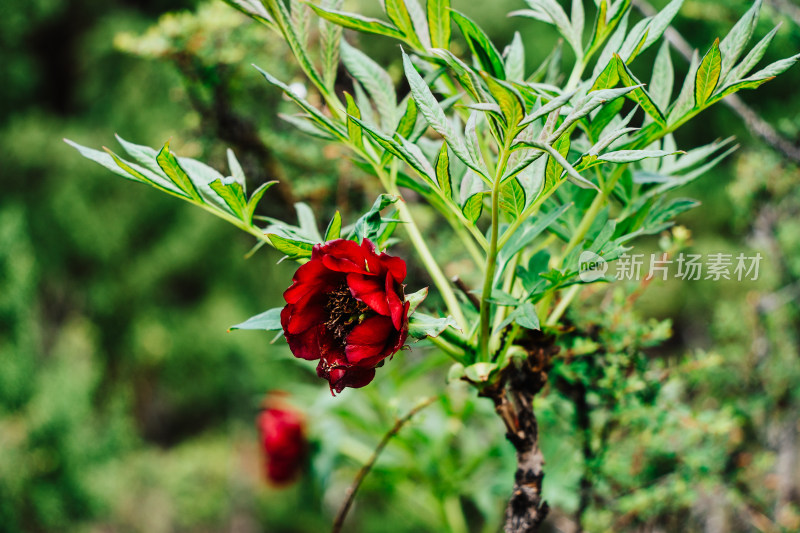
(513, 399)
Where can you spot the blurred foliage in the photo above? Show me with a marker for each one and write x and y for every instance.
(124, 406)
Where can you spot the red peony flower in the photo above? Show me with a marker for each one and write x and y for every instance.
(283, 442)
(346, 307)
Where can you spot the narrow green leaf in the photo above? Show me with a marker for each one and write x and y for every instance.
(358, 22)
(279, 13)
(330, 36)
(369, 224)
(707, 75)
(353, 128)
(685, 100)
(307, 222)
(375, 80)
(509, 100)
(415, 299)
(439, 22)
(608, 78)
(752, 58)
(661, 83)
(515, 59)
(292, 248)
(409, 119)
(480, 45)
(524, 315)
(473, 207)
(398, 14)
(733, 44)
(660, 22)
(443, 177)
(169, 164)
(553, 169)
(334, 230)
(252, 203)
(640, 96)
(269, 320)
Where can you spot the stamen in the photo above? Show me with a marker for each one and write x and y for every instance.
(344, 311)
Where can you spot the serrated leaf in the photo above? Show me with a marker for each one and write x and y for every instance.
(512, 198)
(443, 177)
(480, 45)
(421, 325)
(358, 22)
(376, 81)
(269, 320)
(473, 207)
(439, 22)
(707, 75)
(334, 229)
(292, 248)
(553, 169)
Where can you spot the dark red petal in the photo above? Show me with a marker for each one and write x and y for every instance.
(371, 257)
(311, 314)
(395, 304)
(306, 344)
(370, 290)
(309, 278)
(343, 255)
(395, 266)
(368, 340)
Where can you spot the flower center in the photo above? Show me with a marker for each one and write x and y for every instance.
(344, 311)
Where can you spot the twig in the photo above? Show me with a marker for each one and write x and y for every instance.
(460, 285)
(364, 470)
(757, 126)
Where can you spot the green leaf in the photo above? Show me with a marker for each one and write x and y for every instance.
(548, 108)
(515, 59)
(525, 316)
(421, 325)
(269, 320)
(353, 128)
(334, 230)
(733, 44)
(443, 177)
(480, 372)
(376, 81)
(552, 173)
(512, 198)
(640, 96)
(398, 14)
(481, 46)
(629, 156)
(752, 58)
(439, 22)
(608, 78)
(551, 12)
(330, 36)
(707, 75)
(252, 203)
(313, 112)
(416, 298)
(368, 225)
(233, 194)
(473, 207)
(685, 100)
(511, 105)
(409, 119)
(278, 12)
(293, 248)
(169, 164)
(357, 22)
(307, 222)
(252, 8)
(659, 23)
(661, 83)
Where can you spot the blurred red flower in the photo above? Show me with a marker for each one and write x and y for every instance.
(283, 441)
(346, 307)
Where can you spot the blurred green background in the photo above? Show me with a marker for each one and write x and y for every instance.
(125, 405)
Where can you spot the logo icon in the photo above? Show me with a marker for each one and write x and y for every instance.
(591, 267)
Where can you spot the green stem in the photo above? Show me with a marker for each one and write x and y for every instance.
(456, 353)
(488, 280)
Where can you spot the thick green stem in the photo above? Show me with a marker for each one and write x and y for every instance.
(488, 281)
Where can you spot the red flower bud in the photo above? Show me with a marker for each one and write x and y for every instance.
(283, 442)
(346, 307)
